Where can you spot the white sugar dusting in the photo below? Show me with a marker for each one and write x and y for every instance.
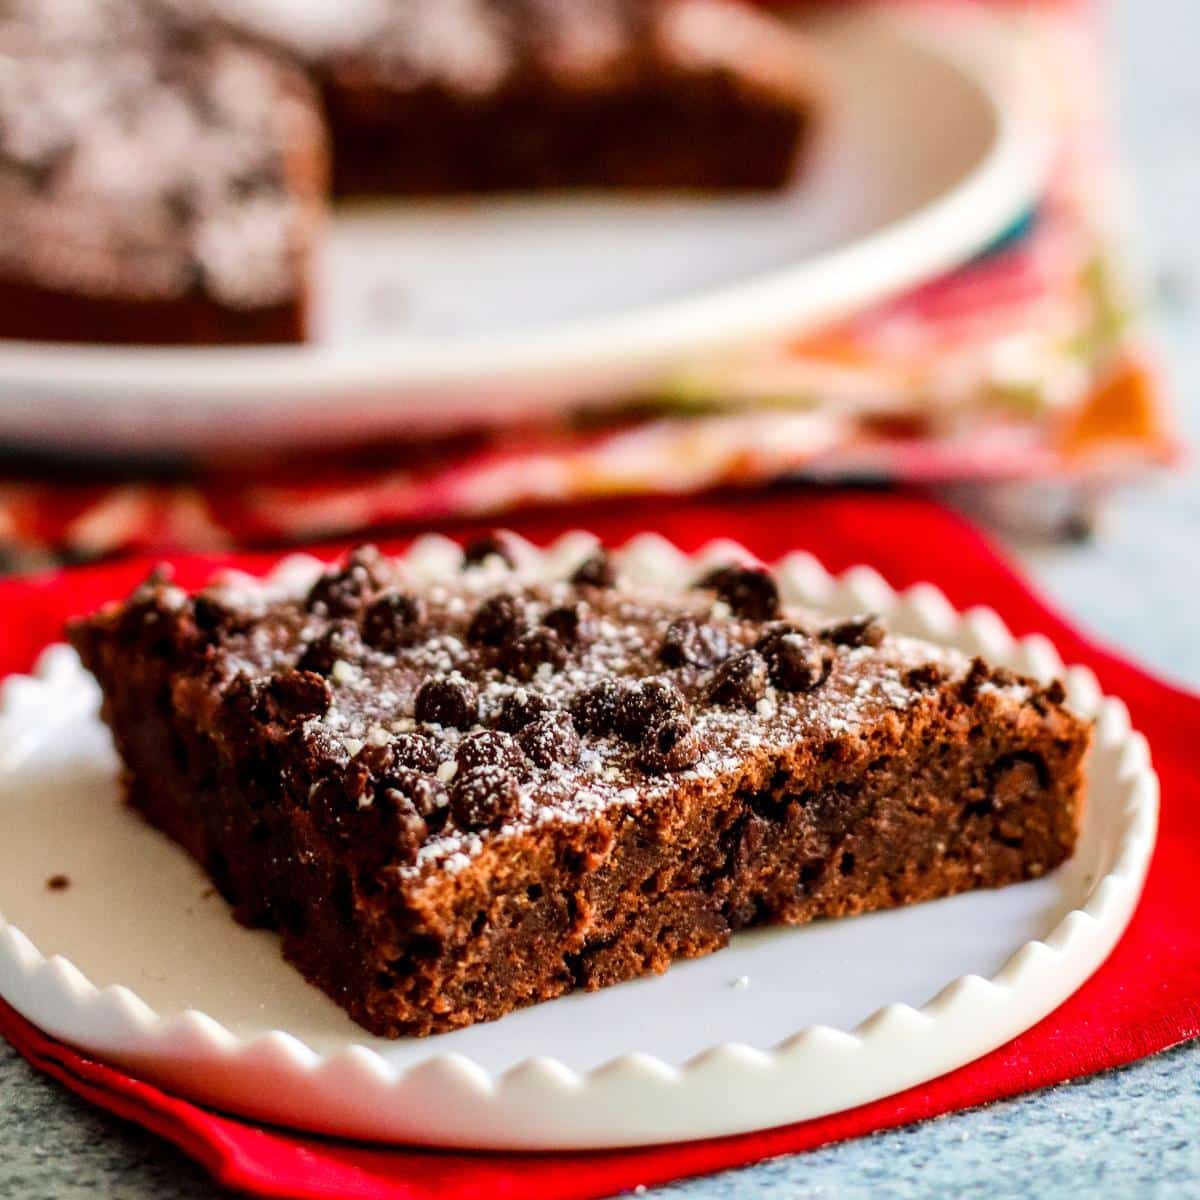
(374, 696)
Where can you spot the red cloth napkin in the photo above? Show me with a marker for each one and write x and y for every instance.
(1145, 998)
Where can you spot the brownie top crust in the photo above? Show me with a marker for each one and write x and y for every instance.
(143, 155)
(479, 47)
(444, 710)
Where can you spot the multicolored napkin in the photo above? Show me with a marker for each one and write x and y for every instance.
(1143, 999)
(1025, 363)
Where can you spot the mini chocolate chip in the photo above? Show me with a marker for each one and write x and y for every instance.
(392, 621)
(212, 614)
(569, 621)
(1054, 692)
(313, 750)
(365, 769)
(341, 641)
(866, 630)
(688, 643)
(488, 748)
(519, 708)
(416, 751)
(739, 681)
(923, 678)
(480, 549)
(407, 828)
(496, 620)
(343, 591)
(750, 592)
(58, 883)
(426, 794)
(597, 570)
(400, 802)
(550, 739)
(671, 745)
(294, 696)
(595, 708)
(452, 702)
(484, 797)
(976, 676)
(376, 758)
(795, 661)
(645, 704)
(523, 655)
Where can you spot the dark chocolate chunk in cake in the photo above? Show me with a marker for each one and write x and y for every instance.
(447, 821)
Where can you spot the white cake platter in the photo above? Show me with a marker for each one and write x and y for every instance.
(432, 316)
(139, 963)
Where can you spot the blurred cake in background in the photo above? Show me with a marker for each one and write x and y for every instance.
(481, 95)
(158, 182)
(163, 163)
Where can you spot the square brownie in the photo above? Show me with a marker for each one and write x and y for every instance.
(457, 794)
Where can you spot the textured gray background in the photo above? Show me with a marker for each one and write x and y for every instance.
(1124, 1134)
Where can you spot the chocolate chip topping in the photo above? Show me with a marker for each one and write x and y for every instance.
(406, 828)
(497, 620)
(488, 748)
(550, 739)
(796, 662)
(569, 621)
(670, 745)
(597, 570)
(740, 681)
(340, 642)
(492, 545)
(866, 630)
(977, 675)
(415, 751)
(392, 621)
(293, 696)
(342, 592)
(640, 684)
(923, 678)
(643, 705)
(688, 642)
(750, 592)
(484, 797)
(448, 701)
(595, 708)
(426, 794)
(522, 707)
(214, 615)
(523, 656)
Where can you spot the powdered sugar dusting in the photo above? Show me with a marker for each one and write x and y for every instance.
(374, 697)
(139, 155)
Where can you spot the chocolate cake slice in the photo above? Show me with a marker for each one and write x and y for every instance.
(486, 95)
(160, 182)
(459, 793)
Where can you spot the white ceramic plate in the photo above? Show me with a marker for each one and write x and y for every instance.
(137, 962)
(435, 315)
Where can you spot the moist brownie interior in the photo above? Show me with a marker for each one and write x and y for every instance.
(459, 796)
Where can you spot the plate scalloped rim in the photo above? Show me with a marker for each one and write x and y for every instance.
(634, 1098)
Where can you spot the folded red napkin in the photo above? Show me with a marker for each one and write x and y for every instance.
(1145, 998)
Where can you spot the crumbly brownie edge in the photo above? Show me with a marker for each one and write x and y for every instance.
(962, 790)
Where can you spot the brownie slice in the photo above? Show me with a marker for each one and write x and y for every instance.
(159, 181)
(485, 95)
(459, 793)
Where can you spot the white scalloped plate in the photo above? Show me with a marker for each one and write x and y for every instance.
(138, 963)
